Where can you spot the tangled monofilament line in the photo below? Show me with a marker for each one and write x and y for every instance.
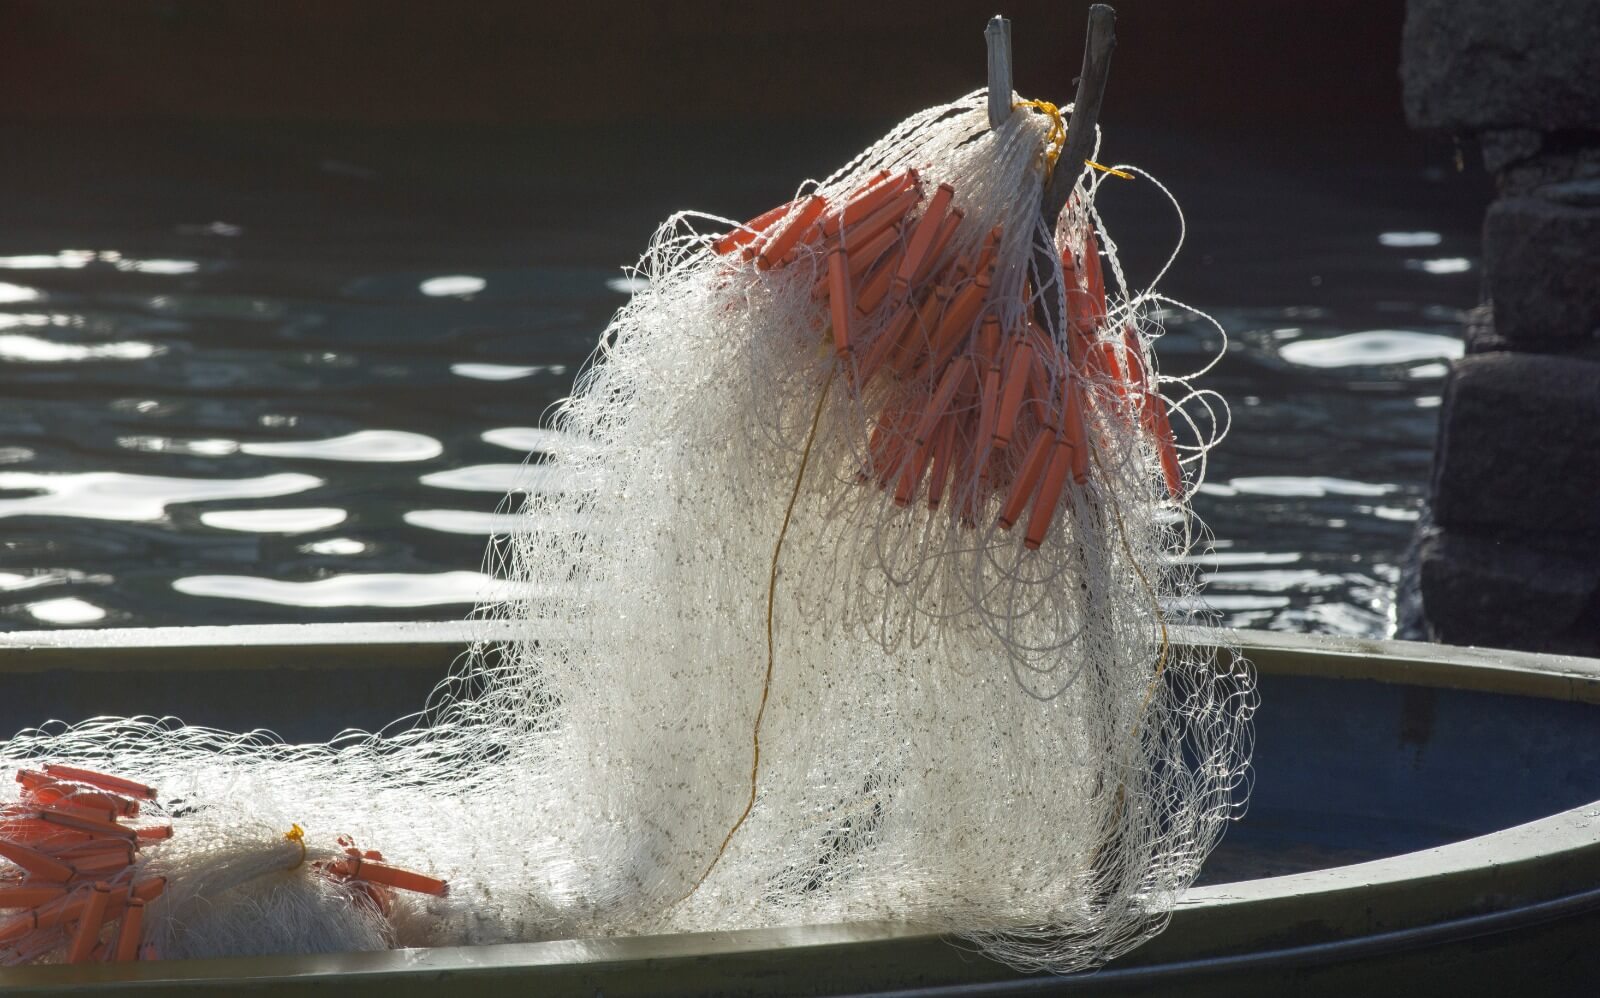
(945, 697)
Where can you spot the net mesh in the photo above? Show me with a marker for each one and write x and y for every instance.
(764, 656)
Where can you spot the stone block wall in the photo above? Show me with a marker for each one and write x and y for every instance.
(1510, 553)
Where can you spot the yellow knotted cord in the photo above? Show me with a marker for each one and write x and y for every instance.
(772, 596)
(1058, 130)
(1057, 138)
(297, 835)
(1124, 174)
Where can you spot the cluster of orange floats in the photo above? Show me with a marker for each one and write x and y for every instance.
(370, 878)
(70, 883)
(71, 844)
(967, 397)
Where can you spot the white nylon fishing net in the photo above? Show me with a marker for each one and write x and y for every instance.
(790, 638)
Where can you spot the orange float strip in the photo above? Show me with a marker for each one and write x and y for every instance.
(1133, 368)
(89, 925)
(40, 788)
(897, 326)
(35, 862)
(956, 324)
(392, 876)
(872, 251)
(866, 188)
(966, 487)
(939, 417)
(885, 218)
(863, 255)
(889, 439)
(1094, 278)
(1105, 364)
(26, 827)
(94, 847)
(1072, 425)
(988, 407)
(878, 192)
(987, 353)
(30, 895)
(751, 229)
(1166, 447)
(1049, 496)
(922, 237)
(57, 912)
(918, 337)
(941, 244)
(876, 286)
(1022, 488)
(1016, 382)
(101, 864)
(839, 300)
(980, 426)
(115, 784)
(129, 931)
(71, 808)
(154, 832)
(1080, 317)
(956, 377)
(17, 926)
(943, 452)
(83, 823)
(911, 474)
(800, 224)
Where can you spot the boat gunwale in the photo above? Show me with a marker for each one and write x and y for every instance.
(418, 643)
(1524, 866)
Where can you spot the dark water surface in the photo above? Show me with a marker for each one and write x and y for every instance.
(284, 374)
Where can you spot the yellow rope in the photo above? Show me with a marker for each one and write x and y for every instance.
(1058, 130)
(297, 835)
(772, 596)
(1124, 174)
(1057, 138)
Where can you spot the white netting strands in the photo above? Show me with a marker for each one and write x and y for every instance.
(844, 595)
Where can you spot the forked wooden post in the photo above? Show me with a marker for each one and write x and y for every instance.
(1100, 39)
(1097, 45)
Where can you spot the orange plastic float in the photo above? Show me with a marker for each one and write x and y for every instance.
(1003, 411)
(70, 881)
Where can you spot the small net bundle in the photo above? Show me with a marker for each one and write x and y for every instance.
(842, 593)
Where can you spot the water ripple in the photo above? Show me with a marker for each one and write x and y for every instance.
(20, 348)
(111, 495)
(67, 611)
(1372, 348)
(376, 589)
(363, 445)
(273, 521)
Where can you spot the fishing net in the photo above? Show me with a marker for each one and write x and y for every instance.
(842, 592)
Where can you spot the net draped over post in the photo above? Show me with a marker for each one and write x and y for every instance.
(843, 592)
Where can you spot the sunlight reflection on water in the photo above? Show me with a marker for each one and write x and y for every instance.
(171, 375)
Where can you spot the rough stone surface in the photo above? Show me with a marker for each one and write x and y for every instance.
(1563, 157)
(1508, 147)
(1473, 65)
(1542, 259)
(1485, 591)
(1480, 334)
(1519, 450)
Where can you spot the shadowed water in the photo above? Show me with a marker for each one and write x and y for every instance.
(286, 375)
